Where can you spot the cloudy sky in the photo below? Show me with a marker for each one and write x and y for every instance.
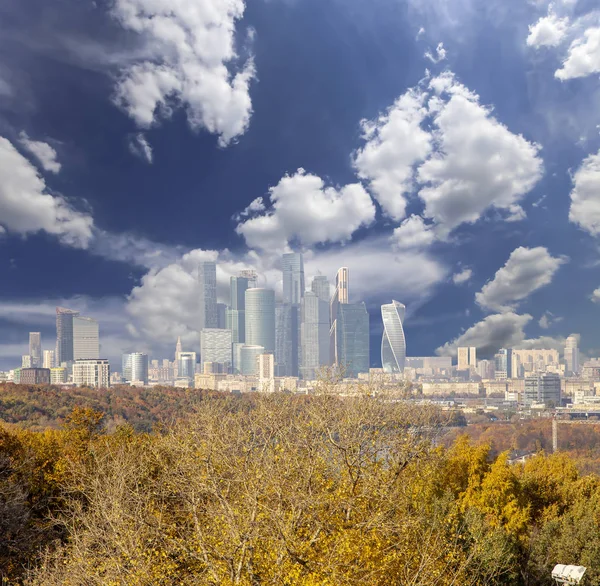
(446, 151)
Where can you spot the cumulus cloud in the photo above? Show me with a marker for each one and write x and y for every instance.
(595, 296)
(585, 199)
(139, 146)
(395, 142)
(440, 54)
(548, 319)
(548, 31)
(194, 65)
(42, 151)
(462, 277)
(441, 143)
(413, 233)
(26, 207)
(525, 271)
(304, 210)
(583, 57)
(504, 330)
(256, 206)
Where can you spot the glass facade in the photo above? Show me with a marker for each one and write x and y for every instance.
(249, 359)
(86, 338)
(393, 342)
(215, 346)
(64, 335)
(293, 277)
(207, 281)
(353, 354)
(260, 318)
(314, 335)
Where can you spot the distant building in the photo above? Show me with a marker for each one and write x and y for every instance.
(92, 373)
(314, 334)
(64, 335)
(340, 297)
(293, 277)
(236, 314)
(353, 351)
(237, 357)
(266, 373)
(207, 282)
(215, 346)
(249, 359)
(486, 369)
(467, 358)
(26, 361)
(572, 355)
(35, 349)
(543, 388)
(260, 318)
(320, 287)
(393, 342)
(452, 389)
(135, 368)
(58, 375)
(86, 338)
(221, 316)
(48, 361)
(503, 364)
(287, 338)
(537, 360)
(186, 367)
(35, 376)
(435, 363)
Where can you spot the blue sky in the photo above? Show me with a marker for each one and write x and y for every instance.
(447, 152)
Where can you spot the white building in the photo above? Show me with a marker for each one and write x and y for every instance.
(26, 361)
(48, 359)
(58, 375)
(467, 358)
(92, 373)
(572, 355)
(266, 373)
(215, 346)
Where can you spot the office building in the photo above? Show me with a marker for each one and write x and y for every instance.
(467, 358)
(503, 364)
(543, 388)
(260, 318)
(287, 339)
(35, 376)
(221, 316)
(135, 368)
(352, 352)
(249, 359)
(207, 284)
(314, 334)
(266, 373)
(26, 361)
(86, 340)
(236, 315)
(58, 375)
(293, 277)
(237, 357)
(92, 373)
(216, 346)
(64, 335)
(486, 369)
(35, 349)
(320, 287)
(340, 297)
(48, 361)
(572, 355)
(186, 365)
(393, 342)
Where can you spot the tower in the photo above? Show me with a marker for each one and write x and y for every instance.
(393, 342)
(572, 354)
(207, 283)
(260, 318)
(64, 335)
(86, 340)
(293, 277)
(340, 297)
(35, 349)
(352, 349)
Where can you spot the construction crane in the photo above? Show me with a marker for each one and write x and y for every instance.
(556, 419)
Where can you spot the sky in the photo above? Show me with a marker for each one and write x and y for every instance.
(446, 151)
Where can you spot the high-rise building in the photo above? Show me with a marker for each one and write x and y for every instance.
(340, 297)
(572, 354)
(48, 359)
(266, 373)
(207, 281)
(135, 367)
(221, 316)
(252, 277)
(178, 348)
(249, 359)
(543, 388)
(467, 358)
(486, 369)
(64, 335)
(353, 353)
(293, 277)
(237, 357)
(35, 349)
(186, 367)
(92, 373)
(314, 334)
(86, 340)
(503, 363)
(236, 315)
(393, 342)
(287, 339)
(320, 287)
(26, 361)
(260, 318)
(215, 346)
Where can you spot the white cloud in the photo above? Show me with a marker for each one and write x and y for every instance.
(42, 151)
(584, 56)
(548, 319)
(395, 142)
(595, 296)
(256, 206)
(305, 210)
(504, 330)
(26, 207)
(420, 33)
(413, 233)
(440, 54)
(195, 65)
(462, 277)
(585, 198)
(478, 162)
(525, 271)
(548, 31)
(139, 146)
(464, 160)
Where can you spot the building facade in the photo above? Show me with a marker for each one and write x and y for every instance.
(86, 338)
(64, 335)
(293, 277)
(393, 342)
(314, 334)
(467, 358)
(320, 287)
(92, 373)
(353, 352)
(35, 376)
(215, 346)
(135, 368)
(207, 284)
(543, 388)
(260, 318)
(503, 363)
(35, 349)
(572, 355)
(340, 297)
(48, 361)
(186, 365)
(249, 359)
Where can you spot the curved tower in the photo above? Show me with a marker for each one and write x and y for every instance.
(393, 343)
(260, 319)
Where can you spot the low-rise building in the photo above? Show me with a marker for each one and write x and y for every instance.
(92, 372)
(58, 375)
(543, 389)
(452, 388)
(35, 376)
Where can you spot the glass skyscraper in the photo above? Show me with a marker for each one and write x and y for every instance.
(35, 349)
(393, 342)
(86, 338)
(135, 367)
(207, 281)
(353, 353)
(64, 335)
(260, 318)
(293, 277)
(320, 287)
(340, 297)
(215, 346)
(236, 315)
(314, 334)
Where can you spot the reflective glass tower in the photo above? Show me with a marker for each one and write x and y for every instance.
(35, 349)
(236, 317)
(260, 318)
(340, 297)
(393, 343)
(86, 338)
(293, 277)
(353, 354)
(314, 334)
(207, 281)
(64, 335)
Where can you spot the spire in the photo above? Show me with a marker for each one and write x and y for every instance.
(178, 347)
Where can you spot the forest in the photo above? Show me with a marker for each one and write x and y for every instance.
(282, 489)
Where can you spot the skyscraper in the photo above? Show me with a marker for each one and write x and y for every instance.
(35, 349)
(64, 335)
(467, 357)
(48, 359)
(207, 281)
(236, 315)
(340, 297)
(320, 287)
(260, 318)
(353, 353)
(186, 365)
(221, 316)
(216, 346)
(135, 367)
(393, 342)
(314, 334)
(287, 339)
(293, 277)
(572, 354)
(503, 363)
(249, 359)
(86, 341)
